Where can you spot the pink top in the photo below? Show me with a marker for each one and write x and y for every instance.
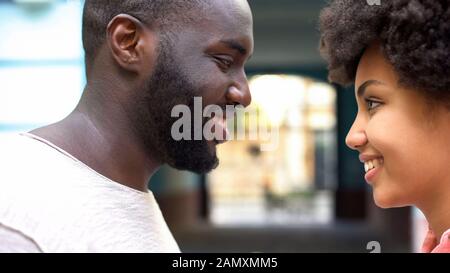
(431, 244)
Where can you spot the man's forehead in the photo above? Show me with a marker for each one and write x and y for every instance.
(231, 19)
(224, 22)
(230, 12)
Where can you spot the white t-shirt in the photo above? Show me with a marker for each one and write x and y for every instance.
(51, 202)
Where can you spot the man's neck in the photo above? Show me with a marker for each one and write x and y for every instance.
(103, 140)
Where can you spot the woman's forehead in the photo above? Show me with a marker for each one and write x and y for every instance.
(373, 65)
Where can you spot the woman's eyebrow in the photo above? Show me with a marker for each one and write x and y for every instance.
(362, 88)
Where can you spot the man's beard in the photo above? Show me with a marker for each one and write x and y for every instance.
(168, 87)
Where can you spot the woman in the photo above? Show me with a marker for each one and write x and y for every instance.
(397, 54)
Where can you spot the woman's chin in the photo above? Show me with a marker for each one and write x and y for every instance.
(385, 200)
(382, 204)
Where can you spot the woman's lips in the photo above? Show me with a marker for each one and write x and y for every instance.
(371, 174)
(372, 166)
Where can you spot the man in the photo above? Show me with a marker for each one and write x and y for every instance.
(81, 184)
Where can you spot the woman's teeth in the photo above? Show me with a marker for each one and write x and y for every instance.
(372, 164)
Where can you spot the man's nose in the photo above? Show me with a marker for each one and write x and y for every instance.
(239, 93)
(356, 137)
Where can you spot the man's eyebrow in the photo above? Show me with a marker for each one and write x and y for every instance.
(233, 44)
(362, 88)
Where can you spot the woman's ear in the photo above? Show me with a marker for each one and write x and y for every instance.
(133, 45)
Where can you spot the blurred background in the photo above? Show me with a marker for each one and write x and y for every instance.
(308, 195)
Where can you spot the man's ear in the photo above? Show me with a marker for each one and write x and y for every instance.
(133, 46)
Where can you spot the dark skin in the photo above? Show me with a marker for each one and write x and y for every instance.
(99, 131)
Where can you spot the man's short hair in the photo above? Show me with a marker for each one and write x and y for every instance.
(164, 14)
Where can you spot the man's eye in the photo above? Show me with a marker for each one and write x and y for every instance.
(224, 63)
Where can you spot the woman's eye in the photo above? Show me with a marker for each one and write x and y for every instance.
(372, 104)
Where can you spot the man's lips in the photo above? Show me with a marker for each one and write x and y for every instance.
(221, 132)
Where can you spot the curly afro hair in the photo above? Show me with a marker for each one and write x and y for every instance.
(414, 36)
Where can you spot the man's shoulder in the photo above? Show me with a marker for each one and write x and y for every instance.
(21, 156)
(16, 151)
(30, 167)
(14, 146)
(8, 139)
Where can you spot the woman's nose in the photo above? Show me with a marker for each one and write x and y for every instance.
(356, 137)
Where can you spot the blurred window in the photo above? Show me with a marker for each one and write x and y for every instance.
(41, 62)
(292, 183)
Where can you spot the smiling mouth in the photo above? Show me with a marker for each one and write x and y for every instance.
(372, 164)
(221, 126)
